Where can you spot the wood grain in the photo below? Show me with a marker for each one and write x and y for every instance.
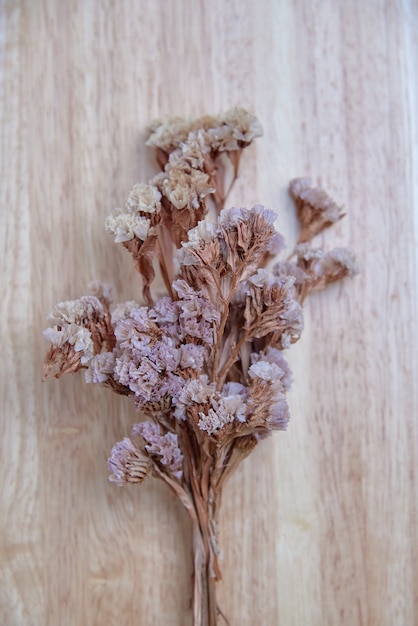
(319, 526)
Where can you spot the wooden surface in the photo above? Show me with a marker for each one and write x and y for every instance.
(319, 526)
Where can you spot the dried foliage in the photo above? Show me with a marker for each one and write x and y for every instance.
(203, 364)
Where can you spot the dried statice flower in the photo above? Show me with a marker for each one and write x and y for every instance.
(197, 391)
(169, 133)
(81, 329)
(320, 269)
(226, 132)
(292, 269)
(202, 145)
(337, 264)
(100, 367)
(186, 187)
(242, 125)
(163, 447)
(127, 226)
(204, 362)
(275, 356)
(194, 153)
(272, 309)
(123, 311)
(315, 208)
(127, 463)
(226, 407)
(135, 220)
(143, 199)
(306, 253)
(271, 411)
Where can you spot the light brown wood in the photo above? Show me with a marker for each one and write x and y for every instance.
(319, 526)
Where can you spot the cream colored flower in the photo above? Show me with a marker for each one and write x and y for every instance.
(126, 226)
(143, 198)
(186, 188)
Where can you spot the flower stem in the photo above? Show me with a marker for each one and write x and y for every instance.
(204, 600)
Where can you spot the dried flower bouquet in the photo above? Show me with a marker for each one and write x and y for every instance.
(204, 363)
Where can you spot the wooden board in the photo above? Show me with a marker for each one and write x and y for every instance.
(319, 526)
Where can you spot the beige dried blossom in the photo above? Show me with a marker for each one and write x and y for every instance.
(127, 226)
(193, 152)
(305, 252)
(226, 131)
(143, 199)
(337, 264)
(169, 133)
(81, 329)
(74, 311)
(316, 210)
(243, 126)
(123, 311)
(100, 368)
(203, 143)
(320, 269)
(186, 188)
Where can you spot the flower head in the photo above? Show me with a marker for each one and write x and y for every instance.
(164, 447)
(81, 329)
(315, 208)
(143, 199)
(127, 463)
(126, 226)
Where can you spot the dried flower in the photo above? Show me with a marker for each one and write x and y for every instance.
(126, 226)
(315, 208)
(186, 187)
(82, 328)
(224, 132)
(164, 447)
(319, 269)
(127, 463)
(100, 367)
(337, 264)
(143, 199)
(271, 308)
(169, 133)
(204, 362)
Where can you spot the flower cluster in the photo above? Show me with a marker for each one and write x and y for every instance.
(227, 132)
(127, 463)
(142, 202)
(164, 447)
(203, 364)
(210, 358)
(315, 208)
(158, 348)
(193, 155)
(80, 330)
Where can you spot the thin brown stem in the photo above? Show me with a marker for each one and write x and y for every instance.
(199, 566)
(205, 558)
(231, 186)
(231, 360)
(165, 273)
(226, 302)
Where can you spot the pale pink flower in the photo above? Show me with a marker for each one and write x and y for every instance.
(100, 367)
(165, 447)
(127, 463)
